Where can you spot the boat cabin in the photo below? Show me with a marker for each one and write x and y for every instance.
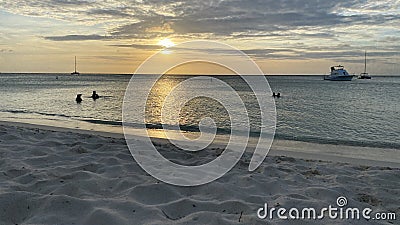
(339, 71)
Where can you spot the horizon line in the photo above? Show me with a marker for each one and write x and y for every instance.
(181, 74)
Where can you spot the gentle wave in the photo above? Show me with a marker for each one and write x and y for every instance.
(222, 131)
(278, 135)
(32, 112)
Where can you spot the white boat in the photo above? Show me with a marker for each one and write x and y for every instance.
(338, 73)
(365, 75)
(75, 72)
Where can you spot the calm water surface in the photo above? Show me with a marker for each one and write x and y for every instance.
(360, 112)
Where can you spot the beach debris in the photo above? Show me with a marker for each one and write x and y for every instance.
(369, 199)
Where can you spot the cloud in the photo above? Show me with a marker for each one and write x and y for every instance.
(111, 13)
(218, 18)
(293, 29)
(265, 19)
(71, 2)
(74, 37)
(6, 50)
(138, 46)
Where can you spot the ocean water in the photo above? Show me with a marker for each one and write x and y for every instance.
(359, 113)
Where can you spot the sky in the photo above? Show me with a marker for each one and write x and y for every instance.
(282, 37)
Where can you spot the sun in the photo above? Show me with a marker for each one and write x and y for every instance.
(166, 43)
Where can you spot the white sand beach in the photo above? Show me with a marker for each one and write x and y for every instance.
(65, 176)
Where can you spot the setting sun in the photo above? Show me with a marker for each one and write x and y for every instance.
(166, 43)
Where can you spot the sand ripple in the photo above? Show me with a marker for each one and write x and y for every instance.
(67, 178)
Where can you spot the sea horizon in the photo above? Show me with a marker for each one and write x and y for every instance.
(182, 74)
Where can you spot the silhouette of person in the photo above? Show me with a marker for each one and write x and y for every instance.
(79, 98)
(273, 94)
(95, 95)
(278, 95)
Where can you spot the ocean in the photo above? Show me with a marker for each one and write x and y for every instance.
(356, 113)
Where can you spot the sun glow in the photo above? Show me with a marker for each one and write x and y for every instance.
(166, 43)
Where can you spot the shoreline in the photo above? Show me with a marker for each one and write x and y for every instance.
(356, 155)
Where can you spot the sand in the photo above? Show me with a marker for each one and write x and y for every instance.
(65, 177)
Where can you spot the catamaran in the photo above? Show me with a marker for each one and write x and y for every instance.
(338, 73)
(75, 72)
(365, 75)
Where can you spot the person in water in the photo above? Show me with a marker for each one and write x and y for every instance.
(79, 98)
(95, 95)
(277, 95)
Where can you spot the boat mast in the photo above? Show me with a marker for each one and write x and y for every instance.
(75, 64)
(365, 62)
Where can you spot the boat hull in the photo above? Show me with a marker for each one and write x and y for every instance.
(364, 76)
(338, 78)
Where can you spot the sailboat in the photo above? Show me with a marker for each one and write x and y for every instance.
(365, 75)
(75, 72)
